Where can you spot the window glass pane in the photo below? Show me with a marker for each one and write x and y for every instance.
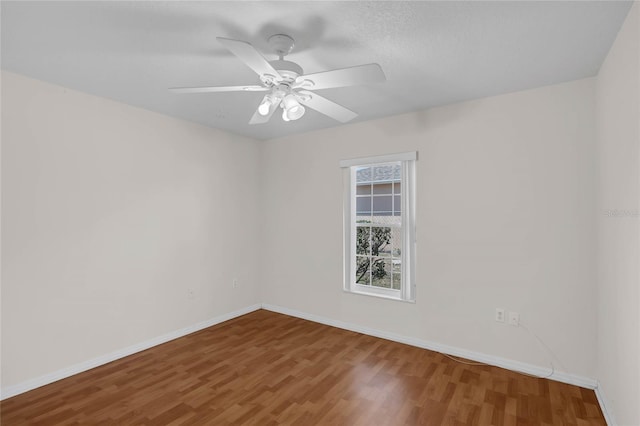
(396, 188)
(385, 251)
(363, 243)
(396, 242)
(397, 266)
(380, 241)
(397, 206)
(363, 275)
(363, 174)
(387, 172)
(397, 281)
(363, 189)
(363, 205)
(382, 205)
(381, 272)
(382, 188)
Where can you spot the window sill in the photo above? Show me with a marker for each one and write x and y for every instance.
(378, 295)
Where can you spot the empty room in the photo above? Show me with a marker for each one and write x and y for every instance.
(320, 213)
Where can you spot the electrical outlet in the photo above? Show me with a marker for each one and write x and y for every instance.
(500, 314)
(235, 283)
(514, 319)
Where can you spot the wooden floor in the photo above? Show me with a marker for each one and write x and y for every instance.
(266, 369)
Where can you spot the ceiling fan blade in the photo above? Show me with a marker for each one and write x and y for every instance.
(362, 74)
(218, 89)
(261, 119)
(326, 107)
(250, 56)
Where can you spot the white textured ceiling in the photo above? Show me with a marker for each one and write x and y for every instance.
(433, 53)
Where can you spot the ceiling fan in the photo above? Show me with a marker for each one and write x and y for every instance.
(287, 86)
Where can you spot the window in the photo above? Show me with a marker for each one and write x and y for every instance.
(379, 225)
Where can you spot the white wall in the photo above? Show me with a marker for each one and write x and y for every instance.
(618, 154)
(109, 214)
(505, 219)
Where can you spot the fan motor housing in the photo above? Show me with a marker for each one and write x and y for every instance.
(288, 69)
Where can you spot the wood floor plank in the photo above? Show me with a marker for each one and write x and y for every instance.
(270, 369)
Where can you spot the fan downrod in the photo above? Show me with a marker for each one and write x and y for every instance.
(282, 44)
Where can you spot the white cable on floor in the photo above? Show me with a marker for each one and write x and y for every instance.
(547, 348)
(540, 342)
(461, 361)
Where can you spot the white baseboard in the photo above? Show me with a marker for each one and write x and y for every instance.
(508, 364)
(605, 406)
(28, 385)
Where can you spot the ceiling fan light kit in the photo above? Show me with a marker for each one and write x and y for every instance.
(292, 108)
(287, 85)
(269, 100)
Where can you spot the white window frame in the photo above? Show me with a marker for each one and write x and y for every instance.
(407, 290)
